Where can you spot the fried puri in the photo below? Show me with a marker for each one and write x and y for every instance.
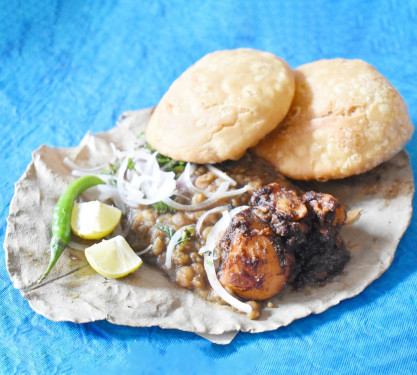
(345, 119)
(221, 106)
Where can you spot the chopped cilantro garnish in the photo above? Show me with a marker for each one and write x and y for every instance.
(168, 164)
(209, 262)
(163, 208)
(140, 135)
(112, 168)
(188, 233)
(130, 164)
(169, 231)
(149, 147)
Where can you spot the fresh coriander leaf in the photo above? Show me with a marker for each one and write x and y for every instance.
(169, 231)
(209, 262)
(140, 135)
(112, 168)
(130, 164)
(174, 166)
(179, 168)
(188, 233)
(166, 163)
(163, 208)
(149, 147)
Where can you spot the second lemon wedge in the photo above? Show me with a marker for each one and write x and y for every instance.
(113, 258)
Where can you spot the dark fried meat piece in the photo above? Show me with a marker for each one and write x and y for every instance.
(325, 254)
(327, 210)
(286, 212)
(254, 265)
(284, 236)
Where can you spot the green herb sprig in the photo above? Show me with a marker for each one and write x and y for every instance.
(168, 230)
(186, 236)
(130, 164)
(111, 170)
(163, 208)
(166, 163)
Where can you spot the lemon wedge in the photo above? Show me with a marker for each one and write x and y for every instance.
(94, 220)
(113, 258)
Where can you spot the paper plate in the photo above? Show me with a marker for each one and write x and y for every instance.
(73, 292)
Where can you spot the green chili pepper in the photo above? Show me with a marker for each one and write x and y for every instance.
(61, 217)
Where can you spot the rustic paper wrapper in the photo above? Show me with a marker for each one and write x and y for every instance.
(74, 292)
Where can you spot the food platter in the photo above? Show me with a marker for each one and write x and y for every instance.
(380, 199)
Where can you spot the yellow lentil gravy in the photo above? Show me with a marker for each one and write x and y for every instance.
(151, 226)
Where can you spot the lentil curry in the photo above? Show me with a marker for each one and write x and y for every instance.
(303, 230)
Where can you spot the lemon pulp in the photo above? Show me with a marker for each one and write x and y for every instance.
(94, 220)
(113, 258)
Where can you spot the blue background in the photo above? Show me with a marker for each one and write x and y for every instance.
(71, 66)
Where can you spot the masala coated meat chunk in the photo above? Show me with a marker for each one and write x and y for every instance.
(254, 265)
(285, 210)
(325, 254)
(283, 237)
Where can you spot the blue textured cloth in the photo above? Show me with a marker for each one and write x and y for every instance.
(70, 66)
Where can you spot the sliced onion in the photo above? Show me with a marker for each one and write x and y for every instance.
(140, 141)
(216, 233)
(140, 159)
(236, 210)
(166, 190)
(205, 215)
(219, 229)
(232, 193)
(222, 188)
(184, 180)
(221, 174)
(152, 166)
(212, 240)
(108, 190)
(218, 288)
(77, 246)
(111, 192)
(120, 178)
(135, 183)
(76, 167)
(118, 153)
(114, 148)
(145, 250)
(155, 184)
(173, 242)
(208, 202)
(148, 183)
